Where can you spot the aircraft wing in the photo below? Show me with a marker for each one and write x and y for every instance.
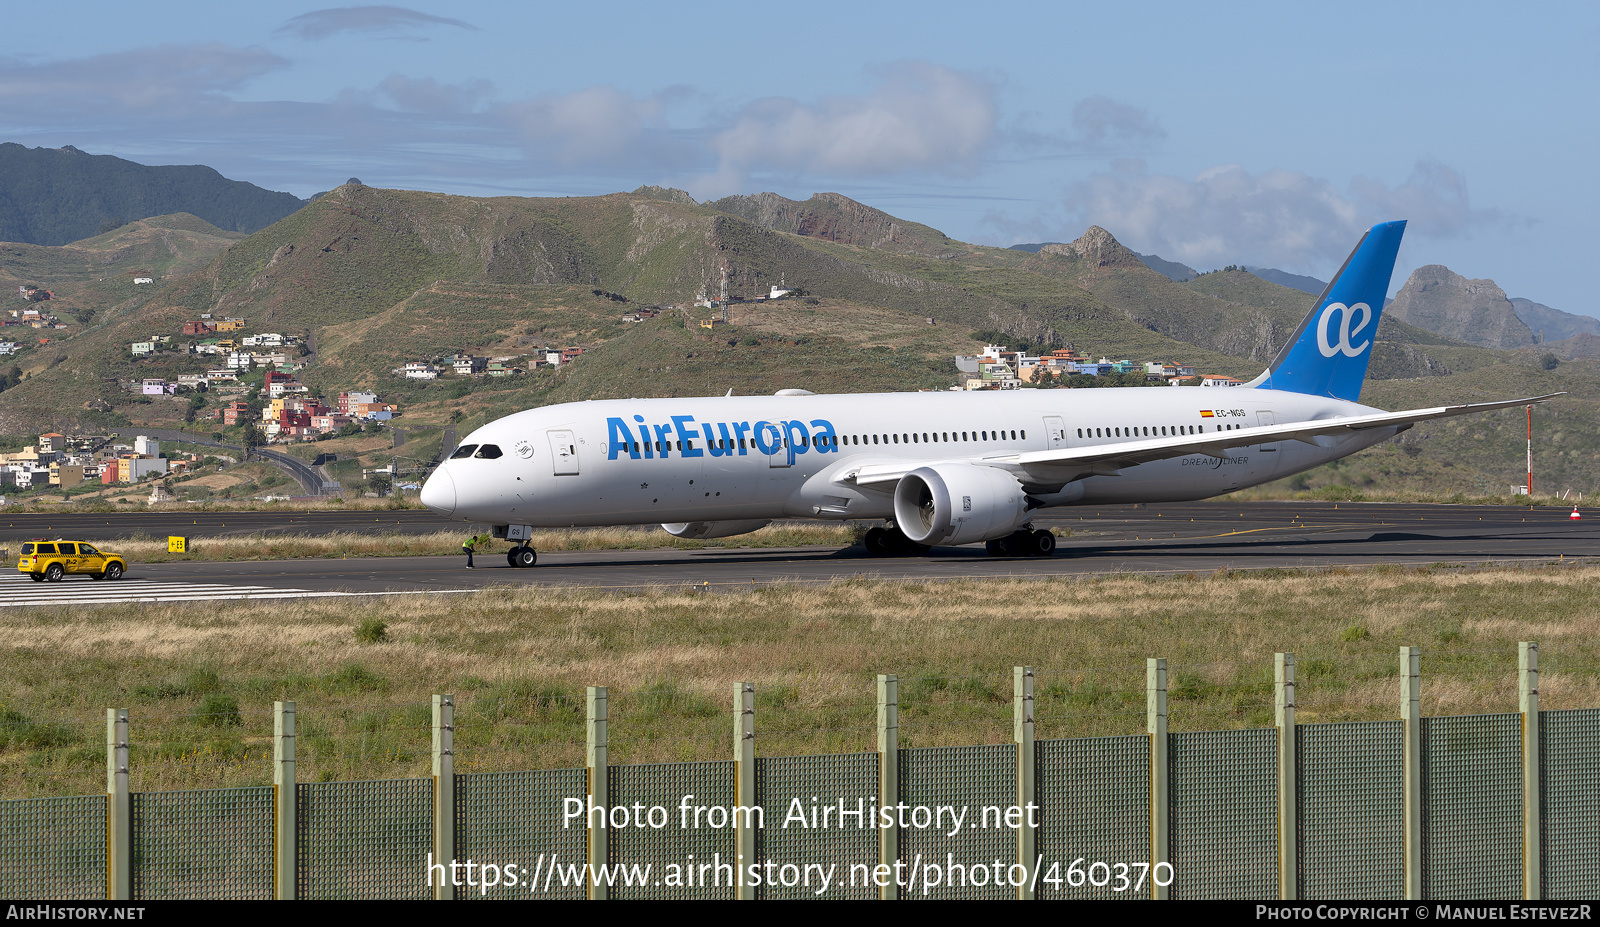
(1063, 465)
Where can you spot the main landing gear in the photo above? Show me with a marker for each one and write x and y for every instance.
(522, 556)
(892, 542)
(1024, 543)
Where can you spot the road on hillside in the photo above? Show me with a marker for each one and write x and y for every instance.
(310, 481)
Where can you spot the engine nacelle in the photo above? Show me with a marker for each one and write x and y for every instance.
(706, 530)
(959, 504)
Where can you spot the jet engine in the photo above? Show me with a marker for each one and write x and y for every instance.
(706, 530)
(959, 504)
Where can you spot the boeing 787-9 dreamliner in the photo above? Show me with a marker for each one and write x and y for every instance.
(940, 467)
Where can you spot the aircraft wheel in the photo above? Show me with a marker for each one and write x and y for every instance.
(511, 557)
(997, 548)
(1041, 543)
(876, 542)
(896, 544)
(526, 557)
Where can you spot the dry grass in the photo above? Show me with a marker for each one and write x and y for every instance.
(144, 549)
(518, 660)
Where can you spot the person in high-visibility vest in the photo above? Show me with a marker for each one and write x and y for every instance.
(472, 544)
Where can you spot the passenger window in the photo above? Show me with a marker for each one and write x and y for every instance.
(87, 550)
(488, 452)
(27, 549)
(46, 549)
(464, 450)
(1024, 436)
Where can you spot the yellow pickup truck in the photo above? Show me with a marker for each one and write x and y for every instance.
(52, 560)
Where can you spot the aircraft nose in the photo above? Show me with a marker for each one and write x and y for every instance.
(439, 493)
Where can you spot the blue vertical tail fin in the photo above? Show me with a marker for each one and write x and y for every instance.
(1328, 354)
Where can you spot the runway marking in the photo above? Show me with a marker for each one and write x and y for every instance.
(17, 589)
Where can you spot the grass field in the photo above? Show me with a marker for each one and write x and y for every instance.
(199, 680)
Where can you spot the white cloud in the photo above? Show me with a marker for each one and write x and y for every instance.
(595, 126)
(162, 76)
(389, 21)
(1103, 124)
(920, 117)
(426, 95)
(1277, 218)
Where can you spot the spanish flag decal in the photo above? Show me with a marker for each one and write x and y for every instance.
(1207, 413)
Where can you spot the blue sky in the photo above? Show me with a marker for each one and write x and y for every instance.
(1267, 134)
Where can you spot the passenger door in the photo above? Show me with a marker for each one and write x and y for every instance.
(564, 453)
(90, 560)
(1264, 419)
(1056, 431)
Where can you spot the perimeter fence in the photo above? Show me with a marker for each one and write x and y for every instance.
(1457, 806)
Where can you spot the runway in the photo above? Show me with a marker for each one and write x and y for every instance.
(1190, 537)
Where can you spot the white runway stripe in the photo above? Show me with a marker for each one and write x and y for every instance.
(18, 590)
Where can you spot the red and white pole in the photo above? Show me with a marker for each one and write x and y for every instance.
(1530, 452)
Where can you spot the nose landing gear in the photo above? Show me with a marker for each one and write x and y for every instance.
(521, 555)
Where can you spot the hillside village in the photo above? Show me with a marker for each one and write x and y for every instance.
(999, 368)
(454, 310)
(63, 462)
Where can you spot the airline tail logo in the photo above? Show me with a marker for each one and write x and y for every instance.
(1346, 330)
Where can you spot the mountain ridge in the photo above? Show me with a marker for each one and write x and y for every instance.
(55, 196)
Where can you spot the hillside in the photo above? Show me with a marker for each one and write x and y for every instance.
(379, 277)
(52, 196)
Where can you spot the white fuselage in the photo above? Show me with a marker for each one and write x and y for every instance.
(652, 461)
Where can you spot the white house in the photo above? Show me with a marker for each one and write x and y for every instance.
(139, 280)
(421, 370)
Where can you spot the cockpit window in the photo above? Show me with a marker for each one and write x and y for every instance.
(464, 450)
(488, 451)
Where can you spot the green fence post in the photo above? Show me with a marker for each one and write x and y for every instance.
(119, 808)
(444, 795)
(744, 764)
(889, 780)
(285, 858)
(599, 796)
(1528, 704)
(1155, 709)
(1022, 732)
(1411, 767)
(1288, 777)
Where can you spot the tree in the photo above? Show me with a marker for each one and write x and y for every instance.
(380, 483)
(252, 438)
(1549, 361)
